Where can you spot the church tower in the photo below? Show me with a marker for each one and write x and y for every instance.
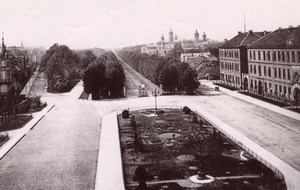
(196, 36)
(204, 37)
(171, 34)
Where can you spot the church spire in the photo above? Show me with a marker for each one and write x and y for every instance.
(3, 49)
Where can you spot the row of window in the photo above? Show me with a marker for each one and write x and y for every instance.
(267, 71)
(229, 53)
(280, 56)
(280, 90)
(230, 78)
(230, 66)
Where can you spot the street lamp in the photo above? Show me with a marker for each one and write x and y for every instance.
(155, 93)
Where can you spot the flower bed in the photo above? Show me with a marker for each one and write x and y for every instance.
(174, 146)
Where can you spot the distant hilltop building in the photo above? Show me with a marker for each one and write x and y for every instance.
(164, 47)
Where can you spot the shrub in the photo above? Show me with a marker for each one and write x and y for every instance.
(125, 114)
(186, 110)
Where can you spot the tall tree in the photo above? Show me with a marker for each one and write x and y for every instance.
(94, 78)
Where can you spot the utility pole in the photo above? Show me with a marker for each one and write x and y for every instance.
(155, 93)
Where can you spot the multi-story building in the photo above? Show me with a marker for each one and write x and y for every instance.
(233, 59)
(274, 65)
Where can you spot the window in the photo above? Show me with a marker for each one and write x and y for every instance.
(298, 56)
(283, 73)
(280, 89)
(268, 55)
(237, 53)
(288, 56)
(254, 69)
(283, 56)
(276, 88)
(288, 74)
(275, 72)
(279, 73)
(254, 55)
(269, 71)
(284, 90)
(293, 56)
(264, 55)
(250, 68)
(266, 87)
(265, 70)
(259, 70)
(258, 55)
(250, 54)
(274, 55)
(279, 56)
(289, 91)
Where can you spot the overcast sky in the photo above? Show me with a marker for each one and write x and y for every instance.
(118, 23)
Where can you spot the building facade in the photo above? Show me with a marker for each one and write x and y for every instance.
(163, 47)
(274, 65)
(233, 59)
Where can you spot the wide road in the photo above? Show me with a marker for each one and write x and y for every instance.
(134, 80)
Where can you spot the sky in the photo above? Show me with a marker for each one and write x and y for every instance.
(82, 24)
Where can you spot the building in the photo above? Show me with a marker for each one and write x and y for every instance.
(164, 47)
(233, 58)
(189, 57)
(5, 72)
(206, 67)
(274, 65)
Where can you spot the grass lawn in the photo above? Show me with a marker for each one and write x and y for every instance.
(16, 122)
(175, 145)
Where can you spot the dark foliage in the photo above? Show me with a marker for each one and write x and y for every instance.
(104, 77)
(125, 114)
(168, 71)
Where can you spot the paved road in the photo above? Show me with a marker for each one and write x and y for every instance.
(134, 80)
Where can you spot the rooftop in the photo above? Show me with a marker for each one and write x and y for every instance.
(243, 39)
(288, 38)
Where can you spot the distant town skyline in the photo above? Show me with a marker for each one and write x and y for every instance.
(118, 23)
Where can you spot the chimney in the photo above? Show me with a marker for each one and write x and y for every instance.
(251, 31)
(290, 26)
(279, 28)
(265, 32)
(239, 32)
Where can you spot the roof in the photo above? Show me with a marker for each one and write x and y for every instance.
(243, 39)
(202, 59)
(288, 38)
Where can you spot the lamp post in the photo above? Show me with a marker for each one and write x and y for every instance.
(155, 93)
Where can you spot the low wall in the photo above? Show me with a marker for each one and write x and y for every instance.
(284, 171)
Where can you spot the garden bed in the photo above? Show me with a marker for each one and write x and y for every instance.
(172, 147)
(17, 122)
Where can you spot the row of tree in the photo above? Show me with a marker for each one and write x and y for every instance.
(63, 66)
(171, 73)
(104, 77)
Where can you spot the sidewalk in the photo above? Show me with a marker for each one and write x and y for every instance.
(258, 102)
(17, 135)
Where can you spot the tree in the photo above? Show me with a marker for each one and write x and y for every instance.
(190, 80)
(115, 78)
(87, 58)
(59, 61)
(169, 77)
(94, 78)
